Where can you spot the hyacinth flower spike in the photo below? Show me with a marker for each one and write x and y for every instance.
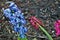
(57, 27)
(16, 19)
(37, 24)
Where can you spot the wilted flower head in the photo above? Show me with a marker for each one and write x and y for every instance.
(33, 20)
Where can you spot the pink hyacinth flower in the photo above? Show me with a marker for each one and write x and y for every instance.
(34, 24)
(57, 27)
(33, 20)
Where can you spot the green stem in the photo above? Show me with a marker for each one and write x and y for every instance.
(21, 38)
(18, 38)
(48, 35)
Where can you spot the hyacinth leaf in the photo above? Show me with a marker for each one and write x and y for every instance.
(48, 35)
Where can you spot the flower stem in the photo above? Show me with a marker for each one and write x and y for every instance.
(18, 38)
(21, 38)
(48, 35)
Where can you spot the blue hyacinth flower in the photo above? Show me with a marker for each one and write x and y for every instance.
(16, 19)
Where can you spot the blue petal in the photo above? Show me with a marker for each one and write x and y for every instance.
(11, 4)
(12, 22)
(23, 21)
(17, 20)
(22, 36)
(7, 12)
(12, 18)
(17, 13)
(14, 9)
(14, 14)
(21, 27)
(21, 32)
(25, 29)
(16, 29)
(22, 17)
